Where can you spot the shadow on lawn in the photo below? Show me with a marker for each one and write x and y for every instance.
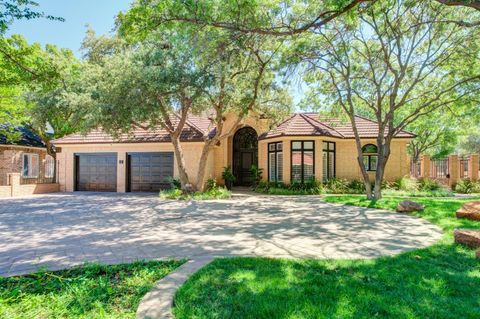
(442, 282)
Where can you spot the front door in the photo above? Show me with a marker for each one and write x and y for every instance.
(245, 154)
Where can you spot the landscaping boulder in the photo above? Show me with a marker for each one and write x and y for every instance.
(409, 206)
(467, 237)
(470, 210)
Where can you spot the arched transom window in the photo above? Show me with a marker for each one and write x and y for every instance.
(370, 157)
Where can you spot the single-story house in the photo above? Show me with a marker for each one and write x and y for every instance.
(303, 146)
(25, 154)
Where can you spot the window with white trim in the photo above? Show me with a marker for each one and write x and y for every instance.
(30, 165)
(49, 166)
(275, 162)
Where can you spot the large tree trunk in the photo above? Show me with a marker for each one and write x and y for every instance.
(182, 172)
(383, 146)
(51, 151)
(200, 185)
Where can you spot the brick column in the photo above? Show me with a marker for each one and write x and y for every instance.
(425, 166)
(14, 184)
(473, 167)
(453, 169)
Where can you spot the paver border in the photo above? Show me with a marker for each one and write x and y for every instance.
(158, 302)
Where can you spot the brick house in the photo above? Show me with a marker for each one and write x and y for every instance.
(303, 146)
(24, 162)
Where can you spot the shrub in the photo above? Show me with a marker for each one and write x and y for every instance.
(212, 191)
(256, 175)
(427, 185)
(356, 187)
(228, 177)
(467, 186)
(337, 186)
(407, 184)
(174, 183)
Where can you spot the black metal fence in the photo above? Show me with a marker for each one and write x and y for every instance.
(439, 169)
(463, 164)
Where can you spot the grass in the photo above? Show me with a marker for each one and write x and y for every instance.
(177, 194)
(90, 291)
(442, 281)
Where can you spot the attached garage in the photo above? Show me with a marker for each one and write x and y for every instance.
(96, 172)
(149, 172)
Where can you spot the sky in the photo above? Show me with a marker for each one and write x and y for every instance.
(99, 14)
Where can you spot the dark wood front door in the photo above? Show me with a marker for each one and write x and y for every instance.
(149, 172)
(96, 172)
(245, 154)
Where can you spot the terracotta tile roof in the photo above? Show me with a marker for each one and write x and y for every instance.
(190, 133)
(300, 124)
(312, 124)
(197, 126)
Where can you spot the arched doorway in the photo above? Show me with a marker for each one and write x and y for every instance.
(245, 154)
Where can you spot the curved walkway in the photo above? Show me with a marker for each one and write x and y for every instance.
(61, 230)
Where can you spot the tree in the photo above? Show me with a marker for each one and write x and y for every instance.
(11, 10)
(272, 18)
(40, 89)
(396, 64)
(178, 71)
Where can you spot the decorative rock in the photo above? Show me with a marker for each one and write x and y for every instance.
(470, 210)
(409, 206)
(188, 188)
(467, 237)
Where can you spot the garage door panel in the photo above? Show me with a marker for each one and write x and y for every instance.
(96, 172)
(150, 172)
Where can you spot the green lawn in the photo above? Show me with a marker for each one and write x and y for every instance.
(91, 291)
(442, 281)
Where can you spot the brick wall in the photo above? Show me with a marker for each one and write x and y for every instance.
(15, 189)
(11, 160)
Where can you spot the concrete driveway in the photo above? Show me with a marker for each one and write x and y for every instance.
(61, 230)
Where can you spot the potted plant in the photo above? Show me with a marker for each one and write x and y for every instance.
(228, 177)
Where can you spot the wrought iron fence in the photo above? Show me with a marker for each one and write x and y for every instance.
(439, 169)
(463, 167)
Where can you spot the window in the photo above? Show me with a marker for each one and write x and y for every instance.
(49, 166)
(30, 165)
(275, 162)
(329, 165)
(370, 157)
(303, 161)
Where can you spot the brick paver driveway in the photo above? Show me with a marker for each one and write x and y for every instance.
(60, 230)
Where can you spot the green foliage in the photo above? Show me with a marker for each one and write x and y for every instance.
(11, 10)
(256, 175)
(90, 291)
(310, 187)
(408, 184)
(228, 176)
(212, 191)
(337, 186)
(467, 186)
(174, 183)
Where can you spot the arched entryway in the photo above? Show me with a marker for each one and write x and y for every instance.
(245, 154)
